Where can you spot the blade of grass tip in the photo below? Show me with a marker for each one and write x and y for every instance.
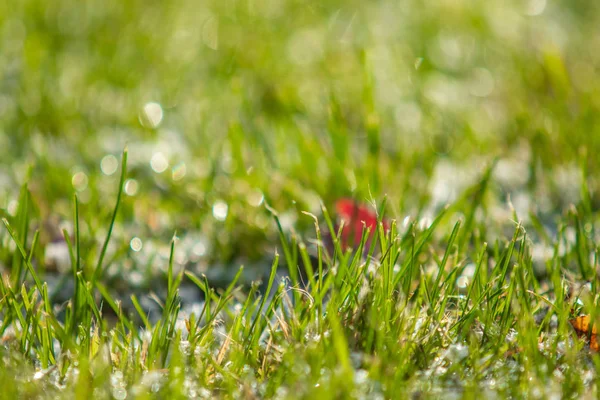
(355, 273)
(448, 281)
(170, 270)
(34, 242)
(379, 225)
(417, 249)
(596, 277)
(239, 326)
(207, 300)
(195, 280)
(77, 241)
(172, 304)
(475, 278)
(224, 298)
(524, 298)
(307, 265)
(64, 278)
(99, 268)
(319, 254)
(335, 236)
(292, 267)
(21, 249)
(49, 334)
(17, 310)
(140, 311)
(340, 343)
(22, 222)
(71, 252)
(152, 353)
(265, 296)
(539, 227)
(581, 246)
(509, 252)
(104, 292)
(409, 275)
(505, 318)
(87, 294)
(76, 268)
(25, 298)
(442, 265)
(586, 198)
(202, 287)
(319, 247)
(478, 195)
(373, 243)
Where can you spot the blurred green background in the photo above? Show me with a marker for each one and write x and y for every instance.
(227, 104)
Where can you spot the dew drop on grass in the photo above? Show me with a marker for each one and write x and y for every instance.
(220, 210)
(109, 164)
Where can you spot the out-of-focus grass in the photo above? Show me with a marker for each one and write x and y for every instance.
(293, 100)
(226, 106)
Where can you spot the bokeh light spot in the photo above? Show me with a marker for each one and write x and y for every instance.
(152, 115)
(199, 249)
(159, 162)
(131, 187)
(136, 244)
(255, 198)
(482, 83)
(109, 164)
(535, 7)
(178, 172)
(80, 181)
(220, 210)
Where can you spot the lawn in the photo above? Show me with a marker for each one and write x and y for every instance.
(172, 182)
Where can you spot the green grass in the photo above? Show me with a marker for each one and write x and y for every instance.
(443, 316)
(472, 126)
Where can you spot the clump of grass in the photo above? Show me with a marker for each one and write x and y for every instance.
(426, 312)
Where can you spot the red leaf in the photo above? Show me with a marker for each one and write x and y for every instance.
(356, 217)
